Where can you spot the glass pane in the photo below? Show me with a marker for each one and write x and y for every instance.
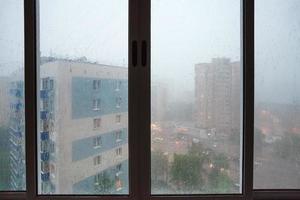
(196, 97)
(12, 125)
(83, 118)
(277, 100)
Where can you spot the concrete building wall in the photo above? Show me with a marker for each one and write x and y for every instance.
(4, 101)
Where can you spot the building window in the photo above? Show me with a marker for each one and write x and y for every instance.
(45, 167)
(97, 123)
(119, 167)
(45, 125)
(119, 151)
(45, 83)
(97, 142)
(44, 146)
(118, 102)
(96, 84)
(118, 136)
(118, 118)
(97, 160)
(45, 104)
(118, 85)
(96, 104)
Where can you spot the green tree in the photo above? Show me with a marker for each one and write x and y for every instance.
(221, 161)
(159, 167)
(219, 182)
(259, 139)
(288, 147)
(104, 184)
(186, 172)
(218, 179)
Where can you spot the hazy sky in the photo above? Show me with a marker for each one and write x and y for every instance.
(184, 32)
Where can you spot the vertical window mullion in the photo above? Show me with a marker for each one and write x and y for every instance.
(145, 99)
(248, 95)
(30, 14)
(133, 97)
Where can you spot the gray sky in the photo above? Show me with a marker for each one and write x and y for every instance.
(184, 32)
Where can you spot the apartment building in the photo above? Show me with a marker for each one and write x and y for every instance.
(217, 95)
(16, 132)
(83, 128)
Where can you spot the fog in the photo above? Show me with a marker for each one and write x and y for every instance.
(184, 33)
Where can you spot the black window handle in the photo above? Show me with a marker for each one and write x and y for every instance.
(144, 53)
(134, 53)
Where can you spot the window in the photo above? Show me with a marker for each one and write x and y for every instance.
(118, 102)
(45, 83)
(181, 76)
(118, 136)
(12, 98)
(96, 104)
(119, 152)
(96, 84)
(97, 160)
(97, 123)
(118, 85)
(83, 49)
(97, 142)
(277, 102)
(119, 168)
(203, 60)
(118, 118)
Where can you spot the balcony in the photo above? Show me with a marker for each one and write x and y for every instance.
(44, 114)
(16, 92)
(45, 156)
(44, 135)
(16, 106)
(16, 143)
(15, 133)
(45, 176)
(44, 94)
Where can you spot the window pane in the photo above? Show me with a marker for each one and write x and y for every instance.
(12, 119)
(83, 94)
(277, 100)
(196, 92)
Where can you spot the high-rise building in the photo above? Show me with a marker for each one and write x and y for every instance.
(83, 128)
(17, 132)
(217, 95)
(159, 98)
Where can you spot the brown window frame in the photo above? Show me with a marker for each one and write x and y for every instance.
(139, 111)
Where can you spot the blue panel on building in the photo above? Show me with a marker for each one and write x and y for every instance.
(83, 95)
(84, 148)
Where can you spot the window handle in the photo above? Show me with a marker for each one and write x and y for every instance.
(144, 53)
(134, 56)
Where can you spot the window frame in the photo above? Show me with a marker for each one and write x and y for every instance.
(139, 75)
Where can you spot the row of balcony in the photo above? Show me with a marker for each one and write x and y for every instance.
(15, 132)
(16, 92)
(45, 94)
